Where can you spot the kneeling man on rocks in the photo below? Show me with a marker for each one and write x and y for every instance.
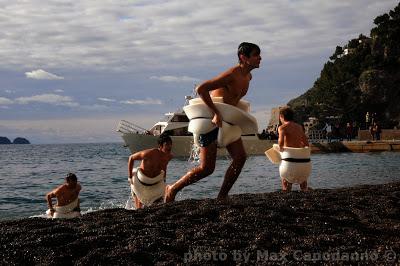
(67, 199)
(148, 180)
(294, 149)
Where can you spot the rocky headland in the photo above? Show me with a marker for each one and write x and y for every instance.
(5, 140)
(359, 225)
(19, 140)
(360, 77)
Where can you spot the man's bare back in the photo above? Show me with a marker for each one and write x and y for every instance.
(65, 195)
(152, 161)
(292, 135)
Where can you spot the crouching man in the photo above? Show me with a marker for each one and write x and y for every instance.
(294, 149)
(148, 180)
(67, 196)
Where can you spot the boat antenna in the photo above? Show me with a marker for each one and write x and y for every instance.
(194, 93)
(189, 97)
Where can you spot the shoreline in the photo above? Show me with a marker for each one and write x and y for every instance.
(355, 146)
(253, 228)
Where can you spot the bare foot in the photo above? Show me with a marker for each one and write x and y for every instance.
(169, 194)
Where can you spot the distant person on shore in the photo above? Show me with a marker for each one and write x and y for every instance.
(231, 85)
(67, 196)
(148, 180)
(328, 130)
(377, 130)
(372, 131)
(295, 166)
(337, 132)
(349, 131)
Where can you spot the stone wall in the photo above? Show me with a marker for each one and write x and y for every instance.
(387, 134)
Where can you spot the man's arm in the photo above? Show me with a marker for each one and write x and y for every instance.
(281, 139)
(169, 158)
(132, 159)
(204, 89)
(50, 196)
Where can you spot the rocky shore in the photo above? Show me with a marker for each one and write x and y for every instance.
(359, 225)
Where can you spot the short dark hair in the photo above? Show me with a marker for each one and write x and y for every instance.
(71, 177)
(164, 138)
(287, 113)
(246, 48)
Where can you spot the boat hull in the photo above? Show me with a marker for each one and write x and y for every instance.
(182, 146)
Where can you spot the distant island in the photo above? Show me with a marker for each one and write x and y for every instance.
(5, 140)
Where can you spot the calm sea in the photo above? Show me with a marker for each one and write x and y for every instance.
(28, 172)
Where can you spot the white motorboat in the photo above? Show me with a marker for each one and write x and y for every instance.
(137, 138)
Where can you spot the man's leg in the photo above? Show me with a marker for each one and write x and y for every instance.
(238, 155)
(286, 186)
(138, 204)
(208, 156)
(303, 186)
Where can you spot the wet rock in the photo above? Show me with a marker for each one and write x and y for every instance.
(295, 228)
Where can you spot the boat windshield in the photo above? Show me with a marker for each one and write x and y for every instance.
(175, 118)
(180, 118)
(166, 118)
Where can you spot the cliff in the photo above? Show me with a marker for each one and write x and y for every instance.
(350, 225)
(363, 76)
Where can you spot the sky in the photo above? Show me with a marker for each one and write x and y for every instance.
(70, 70)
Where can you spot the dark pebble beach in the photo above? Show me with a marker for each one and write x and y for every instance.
(359, 225)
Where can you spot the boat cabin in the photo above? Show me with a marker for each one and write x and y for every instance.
(176, 124)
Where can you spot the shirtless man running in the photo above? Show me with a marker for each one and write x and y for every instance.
(153, 161)
(231, 85)
(291, 135)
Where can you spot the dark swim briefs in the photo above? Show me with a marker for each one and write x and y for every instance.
(208, 138)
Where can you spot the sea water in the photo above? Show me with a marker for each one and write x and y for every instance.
(28, 172)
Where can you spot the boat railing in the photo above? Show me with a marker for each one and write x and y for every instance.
(315, 136)
(129, 127)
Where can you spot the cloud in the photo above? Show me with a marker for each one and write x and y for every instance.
(91, 35)
(59, 90)
(5, 101)
(142, 102)
(41, 74)
(175, 78)
(52, 99)
(106, 100)
(94, 107)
